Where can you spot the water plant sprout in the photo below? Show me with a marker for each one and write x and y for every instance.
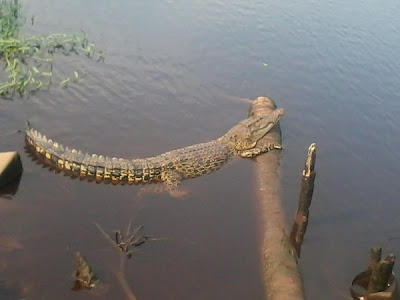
(29, 58)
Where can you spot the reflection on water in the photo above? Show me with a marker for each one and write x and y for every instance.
(172, 71)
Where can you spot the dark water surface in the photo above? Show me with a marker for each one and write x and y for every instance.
(173, 75)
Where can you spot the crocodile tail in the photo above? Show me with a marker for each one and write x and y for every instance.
(93, 167)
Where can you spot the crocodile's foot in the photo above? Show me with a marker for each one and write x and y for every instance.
(179, 193)
(171, 180)
(155, 189)
(149, 190)
(260, 150)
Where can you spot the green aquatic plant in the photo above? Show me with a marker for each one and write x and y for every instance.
(10, 20)
(29, 58)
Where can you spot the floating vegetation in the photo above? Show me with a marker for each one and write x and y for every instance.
(29, 58)
(10, 20)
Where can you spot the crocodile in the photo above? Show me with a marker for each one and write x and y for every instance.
(170, 167)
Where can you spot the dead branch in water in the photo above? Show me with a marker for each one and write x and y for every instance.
(307, 188)
(123, 242)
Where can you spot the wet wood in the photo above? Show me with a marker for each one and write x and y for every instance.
(307, 189)
(375, 256)
(380, 274)
(378, 282)
(280, 271)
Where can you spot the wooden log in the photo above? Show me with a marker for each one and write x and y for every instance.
(280, 271)
(307, 189)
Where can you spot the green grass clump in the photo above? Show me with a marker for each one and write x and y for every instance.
(10, 20)
(29, 58)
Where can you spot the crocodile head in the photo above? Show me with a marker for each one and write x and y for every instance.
(248, 132)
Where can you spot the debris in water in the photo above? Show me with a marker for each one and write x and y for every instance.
(84, 276)
(125, 241)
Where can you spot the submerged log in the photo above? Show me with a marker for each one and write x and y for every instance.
(280, 271)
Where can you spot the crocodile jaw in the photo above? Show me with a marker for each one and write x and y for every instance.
(265, 124)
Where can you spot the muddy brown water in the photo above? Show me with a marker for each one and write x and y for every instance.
(172, 77)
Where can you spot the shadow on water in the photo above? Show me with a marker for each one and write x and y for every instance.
(173, 76)
(11, 188)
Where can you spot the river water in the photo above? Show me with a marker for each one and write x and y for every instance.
(175, 74)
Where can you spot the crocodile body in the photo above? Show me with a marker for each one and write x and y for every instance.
(170, 167)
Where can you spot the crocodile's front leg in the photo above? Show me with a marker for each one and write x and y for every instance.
(253, 152)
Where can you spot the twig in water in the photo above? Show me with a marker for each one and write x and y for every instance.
(123, 242)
